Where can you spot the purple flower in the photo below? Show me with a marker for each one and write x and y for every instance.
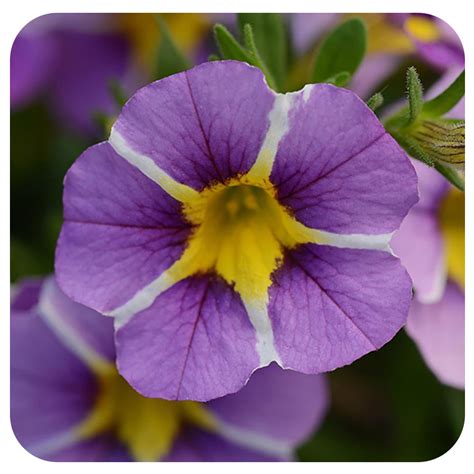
(71, 59)
(225, 226)
(430, 243)
(435, 41)
(68, 402)
(393, 37)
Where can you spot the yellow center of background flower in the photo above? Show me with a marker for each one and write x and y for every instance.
(423, 29)
(452, 217)
(146, 426)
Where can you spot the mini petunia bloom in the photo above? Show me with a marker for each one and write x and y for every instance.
(225, 226)
(392, 38)
(70, 59)
(68, 402)
(430, 243)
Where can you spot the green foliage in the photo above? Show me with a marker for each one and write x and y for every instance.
(118, 93)
(230, 48)
(271, 41)
(340, 79)
(425, 135)
(384, 417)
(445, 101)
(415, 95)
(170, 59)
(375, 101)
(343, 50)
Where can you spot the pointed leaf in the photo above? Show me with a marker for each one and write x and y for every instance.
(445, 101)
(228, 46)
(415, 94)
(170, 58)
(342, 50)
(271, 40)
(251, 46)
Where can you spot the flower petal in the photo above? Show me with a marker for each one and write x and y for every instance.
(51, 389)
(338, 170)
(84, 332)
(86, 64)
(200, 126)
(195, 342)
(274, 412)
(419, 242)
(121, 231)
(25, 295)
(344, 303)
(98, 449)
(31, 66)
(420, 247)
(199, 446)
(438, 330)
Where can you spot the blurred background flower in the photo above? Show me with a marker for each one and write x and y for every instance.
(69, 76)
(70, 404)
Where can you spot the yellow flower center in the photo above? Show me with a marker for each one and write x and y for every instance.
(422, 29)
(146, 426)
(240, 233)
(452, 217)
(142, 29)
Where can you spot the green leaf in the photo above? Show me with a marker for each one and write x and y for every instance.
(445, 101)
(453, 176)
(228, 46)
(343, 50)
(271, 41)
(415, 95)
(251, 46)
(375, 101)
(340, 79)
(117, 92)
(170, 59)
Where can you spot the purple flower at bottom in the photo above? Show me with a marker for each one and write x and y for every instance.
(225, 226)
(68, 403)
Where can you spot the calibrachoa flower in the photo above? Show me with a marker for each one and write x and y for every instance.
(68, 402)
(394, 37)
(71, 59)
(225, 226)
(430, 243)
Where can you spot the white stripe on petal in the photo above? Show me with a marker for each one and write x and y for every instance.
(67, 334)
(257, 311)
(279, 126)
(439, 285)
(55, 443)
(351, 241)
(254, 441)
(142, 299)
(357, 241)
(149, 168)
